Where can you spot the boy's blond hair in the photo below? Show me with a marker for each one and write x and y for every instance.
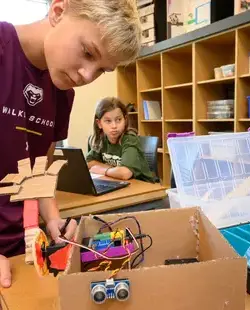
(120, 21)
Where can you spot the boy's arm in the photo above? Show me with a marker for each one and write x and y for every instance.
(47, 206)
(49, 210)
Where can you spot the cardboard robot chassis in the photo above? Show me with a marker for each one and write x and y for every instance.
(217, 281)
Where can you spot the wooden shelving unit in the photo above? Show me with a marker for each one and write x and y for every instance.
(182, 79)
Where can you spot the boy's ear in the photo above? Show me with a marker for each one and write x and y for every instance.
(98, 123)
(56, 11)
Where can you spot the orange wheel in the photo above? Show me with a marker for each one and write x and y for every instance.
(40, 242)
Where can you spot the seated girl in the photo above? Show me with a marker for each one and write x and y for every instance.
(115, 149)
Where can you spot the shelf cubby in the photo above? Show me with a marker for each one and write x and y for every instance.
(243, 90)
(177, 67)
(178, 103)
(214, 52)
(179, 127)
(127, 90)
(133, 121)
(243, 125)
(126, 84)
(149, 73)
(207, 92)
(150, 96)
(205, 127)
(243, 50)
(217, 81)
(152, 129)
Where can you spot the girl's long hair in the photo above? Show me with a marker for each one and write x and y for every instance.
(106, 105)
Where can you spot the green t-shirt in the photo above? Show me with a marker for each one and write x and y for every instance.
(127, 153)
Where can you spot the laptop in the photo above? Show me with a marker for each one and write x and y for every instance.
(75, 177)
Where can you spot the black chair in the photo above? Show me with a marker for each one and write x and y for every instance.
(149, 146)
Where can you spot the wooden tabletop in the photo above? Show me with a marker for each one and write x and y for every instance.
(30, 292)
(137, 192)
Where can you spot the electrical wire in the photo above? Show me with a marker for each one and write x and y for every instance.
(109, 224)
(114, 272)
(97, 218)
(133, 265)
(100, 254)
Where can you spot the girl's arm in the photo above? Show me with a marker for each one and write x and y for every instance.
(96, 165)
(122, 173)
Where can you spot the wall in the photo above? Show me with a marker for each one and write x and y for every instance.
(86, 97)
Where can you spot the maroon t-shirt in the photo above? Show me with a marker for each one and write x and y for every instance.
(33, 114)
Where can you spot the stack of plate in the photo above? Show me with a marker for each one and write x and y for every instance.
(220, 109)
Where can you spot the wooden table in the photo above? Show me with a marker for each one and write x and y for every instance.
(137, 192)
(29, 292)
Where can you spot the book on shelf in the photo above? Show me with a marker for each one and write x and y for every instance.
(152, 110)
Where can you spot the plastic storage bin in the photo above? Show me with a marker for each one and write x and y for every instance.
(239, 238)
(213, 172)
(228, 70)
(220, 109)
(174, 199)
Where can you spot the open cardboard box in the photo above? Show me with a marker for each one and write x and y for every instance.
(217, 281)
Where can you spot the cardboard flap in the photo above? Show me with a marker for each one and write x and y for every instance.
(74, 264)
(56, 167)
(9, 190)
(212, 244)
(24, 167)
(40, 165)
(13, 178)
(210, 285)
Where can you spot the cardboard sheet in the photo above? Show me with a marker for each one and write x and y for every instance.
(24, 167)
(9, 190)
(13, 178)
(38, 183)
(56, 167)
(40, 166)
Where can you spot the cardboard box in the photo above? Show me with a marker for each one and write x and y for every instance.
(218, 281)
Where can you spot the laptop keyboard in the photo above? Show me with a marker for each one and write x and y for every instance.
(103, 185)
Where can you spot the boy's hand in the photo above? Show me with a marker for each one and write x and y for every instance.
(5, 272)
(54, 229)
